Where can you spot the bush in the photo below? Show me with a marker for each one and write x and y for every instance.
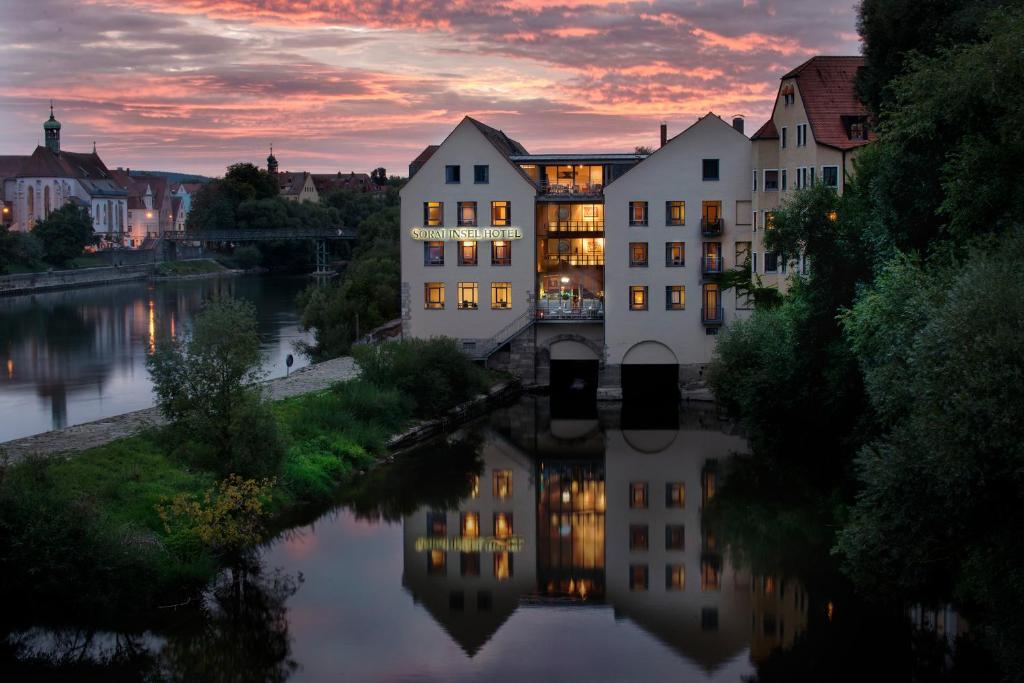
(65, 233)
(432, 373)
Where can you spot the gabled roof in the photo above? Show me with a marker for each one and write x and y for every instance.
(292, 183)
(10, 166)
(766, 132)
(503, 143)
(339, 180)
(421, 158)
(45, 164)
(827, 89)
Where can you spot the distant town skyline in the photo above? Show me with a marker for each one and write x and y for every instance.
(195, 85)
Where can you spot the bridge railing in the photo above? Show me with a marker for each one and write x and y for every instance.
(259, 234)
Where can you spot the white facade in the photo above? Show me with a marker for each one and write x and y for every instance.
(34, 198)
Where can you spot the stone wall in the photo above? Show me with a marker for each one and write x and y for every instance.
(60, 279)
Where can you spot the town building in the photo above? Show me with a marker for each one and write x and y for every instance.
(817, 127)
(150, 207)
(351, 182)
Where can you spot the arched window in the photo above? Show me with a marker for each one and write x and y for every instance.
(46, 202)
(31, 203)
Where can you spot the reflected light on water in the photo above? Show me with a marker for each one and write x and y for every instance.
(152, 326)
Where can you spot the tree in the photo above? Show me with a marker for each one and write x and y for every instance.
(206, 387)
(379, 176)
(65, 234)
(264, 185)
(643, 149)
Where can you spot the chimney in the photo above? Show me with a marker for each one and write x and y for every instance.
(664, 133)
(737, 123)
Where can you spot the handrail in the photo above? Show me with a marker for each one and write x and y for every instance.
(575, 226)
(710, 227)
(571, 189)
(259, 234)
(711, 264)
(520, 323)
(712, 315)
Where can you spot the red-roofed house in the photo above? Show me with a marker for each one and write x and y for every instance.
(817, 127)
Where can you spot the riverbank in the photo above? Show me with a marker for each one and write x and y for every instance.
(51, 280)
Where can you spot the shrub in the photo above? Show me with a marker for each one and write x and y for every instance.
(248, 256)
(433, 373)
(65, 233)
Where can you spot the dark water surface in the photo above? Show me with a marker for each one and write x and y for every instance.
(526, 548)
(78, 355)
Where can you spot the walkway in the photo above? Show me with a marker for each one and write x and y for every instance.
(91, 434)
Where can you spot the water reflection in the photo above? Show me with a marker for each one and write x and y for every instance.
(78, 355)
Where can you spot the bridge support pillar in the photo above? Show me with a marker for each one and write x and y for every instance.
(321, 257)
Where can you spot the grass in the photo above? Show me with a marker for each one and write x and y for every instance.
(88, 261)
(191, 267)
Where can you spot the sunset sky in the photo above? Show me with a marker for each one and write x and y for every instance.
(193, 85)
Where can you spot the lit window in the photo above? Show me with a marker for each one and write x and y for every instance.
(638, 495)
(638, 577)
(433, 214)
(709, 169)
(638, 213)
(481, 175)
(638, 537)
(502, 524)
(501, 253)
(712, 309)
(474, 486)
(675, 254)
(467, 214)
(675, 213)
(771, 180)
(469, 526)
(674, 537)
(437, 563)
(675, 297)
(501, 484)
(468, 296)
(501, 295)
(638, 298)
(467, 253)
(433, 296)
(638, 254)
(469, 564)
(501, 214)
(675, 577)
(433, 253)
(708, 480)
(710, 574)
(453, 174)
(503, 565)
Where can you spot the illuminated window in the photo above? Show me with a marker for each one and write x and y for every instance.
(501, 214)
(638, 539)
(437, 524)
(467, 253)
(467, 214)
(503, 565)
(708, 480)
(638, 577)
(433, 253)
(469, 564)
(638, 495)
(675, 213)
(710, 574)
(769, 220)
(638, 254)
(675, 297)
(481, 174)
(675, 577)
(638, 298)
(501, 253)
(437, 563)
(468, 296)
(433, 213)
(469, 524)
(708, 540)
(501, 295)
(474, 486)
(675, 254)
(433, 295)
(709, 168)
(638, 213)
(675, 494)
(713, 257)
(453, 174)
(675, 537)
(501, 484)
(502, 524)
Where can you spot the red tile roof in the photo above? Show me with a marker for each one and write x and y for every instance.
(826, 86)
(417, 163)
(10, 166)
(766, 132)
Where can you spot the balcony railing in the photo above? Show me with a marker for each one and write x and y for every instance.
(710, 228)
(711, 264)
(712, 315)
(568, 309)
(575, 226)
(574, 259)
(570, 189)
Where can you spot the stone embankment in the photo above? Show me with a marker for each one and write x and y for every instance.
(92, 434)
(23, 283)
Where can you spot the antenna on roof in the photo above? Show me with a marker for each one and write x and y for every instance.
(51, 109)
(93, 146)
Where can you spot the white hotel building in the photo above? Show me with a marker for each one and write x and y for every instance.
(593, 265)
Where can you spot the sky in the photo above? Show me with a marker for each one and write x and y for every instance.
(350, 85)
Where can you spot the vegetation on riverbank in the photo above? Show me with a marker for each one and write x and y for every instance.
(55, 242)
(190, 267)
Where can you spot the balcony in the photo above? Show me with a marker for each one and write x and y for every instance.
(712, 315)
(570, 309)
(575, 226)
(570, 190)
(574, 259)
(710, 227)
(710, 265)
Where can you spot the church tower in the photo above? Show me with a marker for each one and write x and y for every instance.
(272, 162)
(51, 130)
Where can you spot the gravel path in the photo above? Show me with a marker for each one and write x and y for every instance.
(91, 434)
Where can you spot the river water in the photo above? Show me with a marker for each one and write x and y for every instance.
(78, 355)
(530, 548)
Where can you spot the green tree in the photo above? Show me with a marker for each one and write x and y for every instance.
(206, 386)
(65, 234)
(263, 184)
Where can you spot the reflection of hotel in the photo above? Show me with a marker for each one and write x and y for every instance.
(609, 517)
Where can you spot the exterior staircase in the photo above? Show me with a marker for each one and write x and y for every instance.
(484, 350)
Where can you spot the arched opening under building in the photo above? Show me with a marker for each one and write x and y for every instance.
(650, 387)
(574, 372)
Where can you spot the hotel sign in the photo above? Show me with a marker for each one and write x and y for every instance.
(460, 234)
(488, 544)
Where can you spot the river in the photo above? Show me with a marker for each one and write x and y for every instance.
(532, 548)
(79, 355)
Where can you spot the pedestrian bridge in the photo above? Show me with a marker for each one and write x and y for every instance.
(320, 237)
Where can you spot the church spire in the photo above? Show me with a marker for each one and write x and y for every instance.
(51, 132)
(272, 161)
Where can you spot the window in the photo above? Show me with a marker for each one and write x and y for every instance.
(753, 262)
(638, 577)
(712, 306)
(433, 253)
(501, 253)
(467, 214)
(675, 537)
(638, 540)
(675, 254)
(32, 203)
(771, 262)
(638, 254)
(710, 169)
(753, 181)
(502, 524)
(782, 137)
(469, 525)
(437, 524)
(713, 262)
(433, 213)
(675, 577)
(783, 185)
(503, 565)
(675, 212)
(453, 174)
(433, 295)
(469, 564)
(811, 169)
(675, 494)
(468, 296)
(467, 253)
(481, 174)
(638, 213)
(801, 135)
(830, 176)
(638, 495)
(501, 214)
(675, 297)
(437, 563)
(501, 295)
(771, 180)
(710, 574)
(501, 484)
(46, 202)
(638, 298)
(858, 131)
(769, 220)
